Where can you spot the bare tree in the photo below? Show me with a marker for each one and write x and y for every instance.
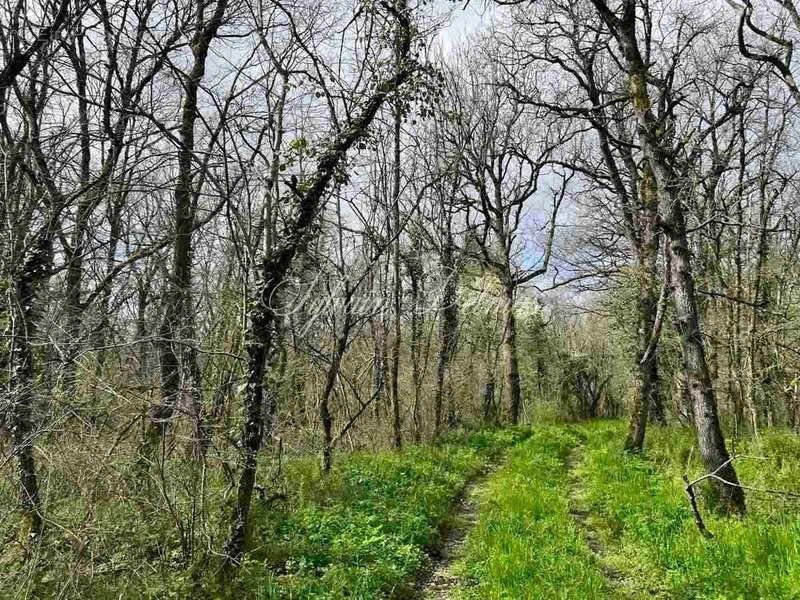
(272, 269)
(668, 188)
(503, 164)
(33, 211)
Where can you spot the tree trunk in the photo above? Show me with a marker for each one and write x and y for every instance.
(711, 442)
(379, 362)
(438, 396)
(258, 339)
(510, 355)
(178, 358)
(75, 254)
(143, 350)
(759, 302)
(448, 325)
(415, 274)
(397, 290)
(487, 394)
(326, 418)
(273, 270)
(24, 324)
(447, 343)
(647, 385)
(648, 388)
(100, 334)
(657, 413)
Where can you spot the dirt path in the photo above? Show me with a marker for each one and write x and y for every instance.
(439, 581)
(617, 582)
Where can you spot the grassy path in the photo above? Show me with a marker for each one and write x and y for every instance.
(618, 584)
(440, 580)
(526, 544)
(570, 516)
(644, 520)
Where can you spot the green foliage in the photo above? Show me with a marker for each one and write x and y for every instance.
(622, 337)
(359, 532)
(527, 545)
(362, 531)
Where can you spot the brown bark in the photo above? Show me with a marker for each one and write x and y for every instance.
(378, 328)
(648, 385)
(658, 414)
(142, 301)
(487, 396)
(759, 302)
(711, 442)
(35, 269)
(448, 325)
(638, 204)
(178, 359)
(397, 289)
(326, 418)
(415, 274)
(75, 252)
(25, 318)
(379, 357)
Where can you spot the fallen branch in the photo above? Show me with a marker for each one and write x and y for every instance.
(698, 519)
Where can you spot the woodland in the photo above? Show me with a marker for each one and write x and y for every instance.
(399, 299)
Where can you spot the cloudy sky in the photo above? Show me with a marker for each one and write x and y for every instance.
(465, 20)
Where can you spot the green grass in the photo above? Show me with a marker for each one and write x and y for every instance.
(363, 533)
(526, 544)
(645, 519)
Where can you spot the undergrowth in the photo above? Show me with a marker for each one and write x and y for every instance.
(359, 532)
(363, 530)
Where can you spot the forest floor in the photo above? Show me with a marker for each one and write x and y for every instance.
(566, 515)
(571, 516)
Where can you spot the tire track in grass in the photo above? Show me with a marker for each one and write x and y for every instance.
(439, 581)
(525, 545)
(620, 585)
